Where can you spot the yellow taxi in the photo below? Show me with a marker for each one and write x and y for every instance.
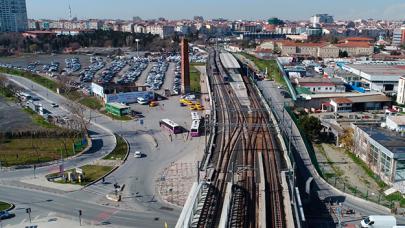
(200, 108)
(153, 104)
(192, 108)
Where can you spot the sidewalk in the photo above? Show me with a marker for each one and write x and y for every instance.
(205, 98)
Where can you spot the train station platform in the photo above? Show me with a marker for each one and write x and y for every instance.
(239, 88)
(241, 92)
(229, 61)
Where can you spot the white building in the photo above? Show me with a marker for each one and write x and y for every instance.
(398, 36)
(321, 19)
(380, 76)
(401, 91)
(183, 29)
(129, 27)
(164, 31)
(13, 16)
(340, 105)
(396, 123)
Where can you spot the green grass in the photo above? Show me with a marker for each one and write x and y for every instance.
(38, 119)
(273, 72)
(120, 150)
(368, 171)
(337, 171)
(195, 79)
(73, 95)
(397, 197)
(91, 102)
(91, 173)
(46, 82)
(4, 206)
(122, 118)
(198, 64)
(6, 93)
(27, 151)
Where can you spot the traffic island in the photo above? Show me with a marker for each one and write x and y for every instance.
(120, 151)
(81, 176)
(114, 197)
(5, 206)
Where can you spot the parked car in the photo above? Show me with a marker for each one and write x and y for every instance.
(6, 215)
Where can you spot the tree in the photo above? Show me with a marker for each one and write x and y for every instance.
(347, 138)
(33, 48)
(311, 126)
(343, 54)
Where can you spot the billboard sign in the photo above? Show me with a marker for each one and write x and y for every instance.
(97, 89)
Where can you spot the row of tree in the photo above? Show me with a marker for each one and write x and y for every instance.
(16, 42)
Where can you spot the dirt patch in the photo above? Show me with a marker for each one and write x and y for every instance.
(335, 162)
(13, 118)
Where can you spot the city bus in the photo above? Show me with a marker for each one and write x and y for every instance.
(195, 128)
(170, 126)
(195, 116)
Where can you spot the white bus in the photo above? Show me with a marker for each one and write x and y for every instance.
(195, 128)
(195, 116)
(170, 125)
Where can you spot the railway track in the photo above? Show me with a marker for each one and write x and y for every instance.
(243, 131)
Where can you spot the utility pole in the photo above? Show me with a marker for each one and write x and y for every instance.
(205, 132)
(233, 173)
(80, 217)
(35, 167)
(198, 172)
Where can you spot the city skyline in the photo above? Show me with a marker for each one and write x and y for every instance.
(237, 9)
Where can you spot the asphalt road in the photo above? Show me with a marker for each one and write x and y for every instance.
(102, 138)
(42, 203)
(140, 203)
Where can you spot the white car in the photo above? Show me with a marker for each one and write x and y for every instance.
(54, 105)
(137, 154)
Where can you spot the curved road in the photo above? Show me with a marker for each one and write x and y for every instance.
(143, 210)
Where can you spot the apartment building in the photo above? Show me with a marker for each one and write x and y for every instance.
(164, 31)
(401, 90)
(398, 36)
(383, 151)
(13, 16)
(324, 50)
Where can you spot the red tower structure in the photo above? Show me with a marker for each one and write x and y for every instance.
(185, 67)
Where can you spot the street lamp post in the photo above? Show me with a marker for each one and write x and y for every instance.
(137, 47)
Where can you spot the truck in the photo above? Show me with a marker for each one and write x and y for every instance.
(379, 221)
(318, 69)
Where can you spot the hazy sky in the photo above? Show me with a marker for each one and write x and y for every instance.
(231, 9)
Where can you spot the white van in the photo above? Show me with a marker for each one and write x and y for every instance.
(379, 221)
(142, 101)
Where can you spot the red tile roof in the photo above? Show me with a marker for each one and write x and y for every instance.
(299, 44)
(342, 100)
(316, 84)
(354, 45)
(357, 39)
